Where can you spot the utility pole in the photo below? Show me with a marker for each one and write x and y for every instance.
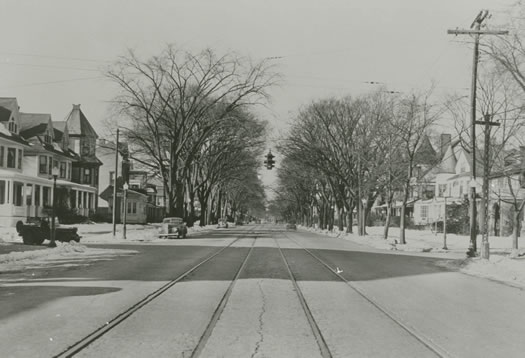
(114, 213)
(485, 250)
(475, 29)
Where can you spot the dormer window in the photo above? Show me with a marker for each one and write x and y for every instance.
(12, 126)
(47, 138)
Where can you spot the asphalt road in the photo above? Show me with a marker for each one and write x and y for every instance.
(263, 292)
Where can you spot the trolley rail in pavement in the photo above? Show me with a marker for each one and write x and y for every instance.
(438, 351)
(220, 308)
(110, 325)
(323, 347)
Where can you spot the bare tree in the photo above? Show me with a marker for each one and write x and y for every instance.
(172, 103)
(414, 116)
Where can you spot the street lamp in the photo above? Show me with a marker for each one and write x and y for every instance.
(445, 226)
(125, 187)
(54, 172)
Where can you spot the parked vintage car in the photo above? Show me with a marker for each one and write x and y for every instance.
(36, 230)
(223, 223)
(173, 227)
(291, 226)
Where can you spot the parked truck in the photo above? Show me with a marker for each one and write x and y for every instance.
(36, 230)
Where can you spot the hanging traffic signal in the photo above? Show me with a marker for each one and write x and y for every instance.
(269, 162)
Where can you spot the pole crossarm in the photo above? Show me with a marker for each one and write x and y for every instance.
(477, 32)
(487, 123)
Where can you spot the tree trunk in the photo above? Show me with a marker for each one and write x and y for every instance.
(387, 220)
(516, 230)
(341, 219)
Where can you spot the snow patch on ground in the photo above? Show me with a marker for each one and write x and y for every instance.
(71, 254)
(500, 266)
(65, 254)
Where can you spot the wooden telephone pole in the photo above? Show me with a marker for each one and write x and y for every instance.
(475, 30)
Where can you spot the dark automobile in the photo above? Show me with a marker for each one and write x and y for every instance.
(291, 226)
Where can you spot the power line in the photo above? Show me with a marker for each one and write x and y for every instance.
(53, 57)
(50, 66)
(53, 82)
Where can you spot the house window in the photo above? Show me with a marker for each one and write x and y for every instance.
(132, 207)
(73, 199)
(2, 150)
(37, 195)
(69, 165)
(46, 196)
(42, 164)
(63, 171)
(17, 193)
(86, 147)
(11, 157)
(50, 165)
(2, 192)
(111, 177)
(87, 176)
(29, 194)
(12, 126)
(20, 155)
(442, 188)
(47, 138)
(461, 190)
(424, 211)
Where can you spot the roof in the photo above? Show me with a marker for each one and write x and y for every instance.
(9, 103)
(34, 131)
(448, 162)
(31, 120)
(425, 153)
(60, 125)
(78, 125)
(14, 137)
(5, 114)
(57, 134)
(90, 159)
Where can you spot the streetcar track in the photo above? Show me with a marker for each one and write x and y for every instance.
(436, 349)
(220, 307)
(110, 325)
(323, 347)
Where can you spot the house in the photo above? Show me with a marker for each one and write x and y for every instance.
(31, 145)
(142, 196)
(452, 181)
(15, 185)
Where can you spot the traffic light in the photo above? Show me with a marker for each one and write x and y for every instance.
(269, 162)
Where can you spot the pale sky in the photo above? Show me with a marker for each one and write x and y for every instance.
(52, 51)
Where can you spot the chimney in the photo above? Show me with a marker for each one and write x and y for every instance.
(444, 143)
(76, 106)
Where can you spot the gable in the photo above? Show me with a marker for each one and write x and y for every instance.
(463, 164)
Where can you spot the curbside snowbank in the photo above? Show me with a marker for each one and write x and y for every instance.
(65, 254)
(500, 266)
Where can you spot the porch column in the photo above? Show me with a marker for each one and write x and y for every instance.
(24, 195)
(7, 189)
